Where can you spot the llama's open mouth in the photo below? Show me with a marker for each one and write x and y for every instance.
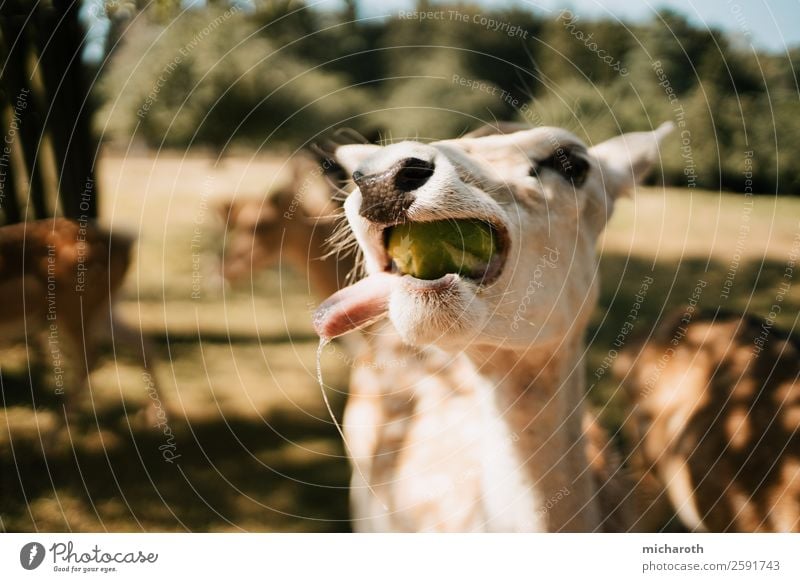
(430, 251)
(428, 259)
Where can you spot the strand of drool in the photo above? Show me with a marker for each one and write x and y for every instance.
(322, 343)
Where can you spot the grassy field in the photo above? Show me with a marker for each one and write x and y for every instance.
(236, 367)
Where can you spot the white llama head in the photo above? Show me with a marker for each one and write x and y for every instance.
(547, 197)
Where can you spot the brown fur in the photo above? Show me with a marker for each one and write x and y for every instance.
(610, 478)
(59, 278)
(716, 423)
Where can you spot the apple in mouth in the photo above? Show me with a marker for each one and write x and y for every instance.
(431, 250)
(428, 257)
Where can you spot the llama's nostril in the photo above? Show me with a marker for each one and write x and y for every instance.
(386, 196)
(412, 174)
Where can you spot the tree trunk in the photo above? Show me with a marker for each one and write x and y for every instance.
(60, 40)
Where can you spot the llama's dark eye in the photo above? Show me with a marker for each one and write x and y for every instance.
(573, 166)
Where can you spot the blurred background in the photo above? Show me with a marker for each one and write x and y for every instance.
(164, 119)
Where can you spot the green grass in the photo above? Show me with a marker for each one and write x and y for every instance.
(236, 368)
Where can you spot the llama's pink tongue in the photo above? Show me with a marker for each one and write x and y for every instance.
(354, 306)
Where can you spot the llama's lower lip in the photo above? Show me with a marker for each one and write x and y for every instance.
(444, 283)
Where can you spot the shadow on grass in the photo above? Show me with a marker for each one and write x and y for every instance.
(285, 472)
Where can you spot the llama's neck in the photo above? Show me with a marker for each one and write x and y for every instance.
(537, 395)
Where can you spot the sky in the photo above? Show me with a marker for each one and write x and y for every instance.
(768, 24)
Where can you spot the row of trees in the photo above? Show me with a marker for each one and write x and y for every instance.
(265, 74)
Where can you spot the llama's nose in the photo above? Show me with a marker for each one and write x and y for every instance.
(387, 196)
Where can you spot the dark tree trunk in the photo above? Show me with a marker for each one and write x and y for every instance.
(9, 201)
(60, 41)
(16, 53)
(56, 103)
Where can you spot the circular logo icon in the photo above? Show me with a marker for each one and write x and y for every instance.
(31, 555)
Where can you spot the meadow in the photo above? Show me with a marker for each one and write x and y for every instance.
(253, 448)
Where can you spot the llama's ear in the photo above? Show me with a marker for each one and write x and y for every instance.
(631, 156)
(350, 156)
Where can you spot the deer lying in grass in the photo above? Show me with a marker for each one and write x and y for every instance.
(58, 279)
(466, 410)
(291, 227)
(715, 421)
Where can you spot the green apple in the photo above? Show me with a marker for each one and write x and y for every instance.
(429, 250)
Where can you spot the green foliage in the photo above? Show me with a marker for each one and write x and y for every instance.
(189, 87)
(280, 73)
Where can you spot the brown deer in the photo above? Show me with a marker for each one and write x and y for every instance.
(291, 226)
(58, 280)
(715, 421)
